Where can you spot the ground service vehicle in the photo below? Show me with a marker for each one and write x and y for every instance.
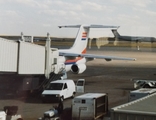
(89, 106)
(59, 90)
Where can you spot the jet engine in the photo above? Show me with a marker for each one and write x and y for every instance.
(78, 68)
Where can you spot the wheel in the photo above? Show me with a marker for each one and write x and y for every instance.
(73, 95)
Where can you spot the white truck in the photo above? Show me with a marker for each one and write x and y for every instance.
(59, 90)
(62, 89)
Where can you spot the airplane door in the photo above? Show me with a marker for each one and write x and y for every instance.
(80, 86)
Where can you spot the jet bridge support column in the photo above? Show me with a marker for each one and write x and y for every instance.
(47, 56)
(51, 58)
(22, 37)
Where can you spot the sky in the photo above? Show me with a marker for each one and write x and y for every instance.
(37, 17)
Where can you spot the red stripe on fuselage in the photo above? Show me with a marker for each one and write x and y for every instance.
(73, 61)
(78, 58)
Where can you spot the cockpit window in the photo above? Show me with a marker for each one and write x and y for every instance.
(55, 86)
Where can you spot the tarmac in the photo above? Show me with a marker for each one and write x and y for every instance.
(113, 78)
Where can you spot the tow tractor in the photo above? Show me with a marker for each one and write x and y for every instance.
(53, 113)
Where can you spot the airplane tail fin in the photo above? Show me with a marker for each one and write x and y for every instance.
(116, 35)
(81, 40)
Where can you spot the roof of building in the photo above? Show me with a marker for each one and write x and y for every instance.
(145, 105)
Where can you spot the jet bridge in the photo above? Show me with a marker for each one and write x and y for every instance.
(28, 58)
(23, 65)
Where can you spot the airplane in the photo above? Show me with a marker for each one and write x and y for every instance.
(136, 39)
(75, 58)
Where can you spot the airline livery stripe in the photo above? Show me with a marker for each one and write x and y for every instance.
(84, 33)
(84, 36)
(72, 61)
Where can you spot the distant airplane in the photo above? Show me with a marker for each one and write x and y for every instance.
(75, 58)
(133, 38)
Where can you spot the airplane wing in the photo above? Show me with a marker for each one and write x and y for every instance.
(92, 56)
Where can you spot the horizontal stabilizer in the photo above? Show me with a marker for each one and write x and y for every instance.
(70, 26)
(89, 26)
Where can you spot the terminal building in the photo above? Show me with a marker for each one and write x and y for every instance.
(141, 109)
